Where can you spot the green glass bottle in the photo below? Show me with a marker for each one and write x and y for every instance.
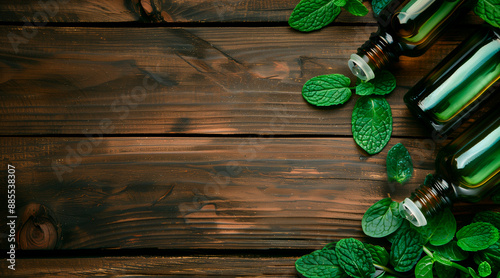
(458, 84)
(406, 27)
(467, 169)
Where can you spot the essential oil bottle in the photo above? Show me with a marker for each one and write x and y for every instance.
(459, 84)
(467, 169)
(406, 27)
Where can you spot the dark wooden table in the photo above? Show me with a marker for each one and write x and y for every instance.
(177, 142)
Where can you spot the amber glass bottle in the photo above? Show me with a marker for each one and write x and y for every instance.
(467, 169)
(406, 27)
(458, 84)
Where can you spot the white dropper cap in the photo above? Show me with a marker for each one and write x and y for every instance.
(360, 68)
(412, 213)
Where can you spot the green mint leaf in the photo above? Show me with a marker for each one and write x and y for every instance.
(489, 217)
(382, 218)
(355, 7)
(444, 271)
(310, 15)
(489, 10)
(440, 229)
(450, 251)
(406, 250)
(320, 263)
(365, 88)
(399, 165)
(379, 5)
(484, 269)
(423, 269)
(354, 258)
(384, 83)
(380, 256)
(477, 236)
(473, 273)
(490, 255)
(327, 90)
(371, 123)
(339, 3)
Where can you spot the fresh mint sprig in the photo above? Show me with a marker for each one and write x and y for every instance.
(310, 15)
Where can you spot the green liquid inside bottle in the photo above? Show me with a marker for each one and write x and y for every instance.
(456, 87)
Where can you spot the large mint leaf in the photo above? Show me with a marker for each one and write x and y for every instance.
(450, 251)
(399, 164)
(382, 218)
(477, 236)
(356, 8)
(310, 15)
(354, 258)
(406, 249)
(440, 229)
(423, 269)
(489, 217)
(380, 256)
(371, 123)
(327, 90)
(489, 10)
(379, 5)
(490, 255)
(320, 263)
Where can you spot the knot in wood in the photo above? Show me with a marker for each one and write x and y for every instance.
(38, 229)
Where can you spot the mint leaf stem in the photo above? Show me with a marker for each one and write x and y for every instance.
(388, 270)
(453, 264)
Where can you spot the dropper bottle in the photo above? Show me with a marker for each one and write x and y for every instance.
(467, 169)
(406, 27)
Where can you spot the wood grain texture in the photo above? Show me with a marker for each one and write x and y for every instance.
(219, 193)
(202, 192)
(188, 81)
(171, 11)
(196, 266)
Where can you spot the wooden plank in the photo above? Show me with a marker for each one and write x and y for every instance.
(188, 81)
(188, 193)
(170, 11)
(197, 266)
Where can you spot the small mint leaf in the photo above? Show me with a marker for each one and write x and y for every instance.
(489, 10)
(423, 269)
(382, 218)
(354, 258)
(477, 236)
(365, 89)
(380, 256)
(371, 123)
(320, 263)
(399, 164)
(313, 15)
(484, 269)
(384, 83)
(489, 217)
(406, 249)
(355, 7)
(379, 5)
(450, 251)
(327, 90)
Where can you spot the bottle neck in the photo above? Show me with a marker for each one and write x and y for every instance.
(377, 53)
(429, 199)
